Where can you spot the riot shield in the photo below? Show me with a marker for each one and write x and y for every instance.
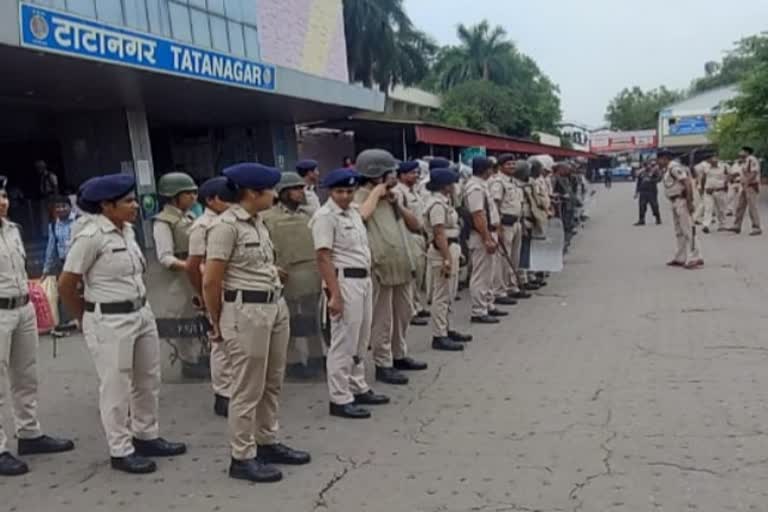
(547, 250)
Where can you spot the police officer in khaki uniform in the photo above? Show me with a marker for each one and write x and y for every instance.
(715, 183)
(408, 198)
(18, 350)
(678, 187)
(394, 268)
(750, 192)
(243, 294)
(344, 261)
(509, 198)
(483, 243)
(443, 255)
(308, 170)
(288, 225)
(216, 195)
(118, 324)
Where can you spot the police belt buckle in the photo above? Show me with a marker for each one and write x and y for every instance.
(139, 303)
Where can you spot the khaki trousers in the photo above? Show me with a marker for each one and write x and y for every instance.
(506, 276)
(126, 352)
(18, 363)
(714, 205)
(687, 244)
(420, 295)
(350, 336)
(734, 192)
(256, 339)
(392, 312)
(481, 280)
(221, 370)
(747, 201)
(443, 290)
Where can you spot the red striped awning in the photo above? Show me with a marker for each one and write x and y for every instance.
(461, 138)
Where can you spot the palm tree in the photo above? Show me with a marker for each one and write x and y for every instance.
(383, 47)
(482, 54)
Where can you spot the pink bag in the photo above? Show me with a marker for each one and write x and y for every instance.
(45, 321)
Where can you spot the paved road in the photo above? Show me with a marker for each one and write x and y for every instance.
(624, 386)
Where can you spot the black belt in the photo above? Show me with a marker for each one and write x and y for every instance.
(675, 198)
(491, 229)
(710, 190)
(509, 220)
(14, 302)
(253, 296)
(354, 273)
(181, 255)
(116, 308)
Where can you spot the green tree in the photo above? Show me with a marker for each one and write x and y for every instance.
(383, 47)
(734, 67)
(635, 109)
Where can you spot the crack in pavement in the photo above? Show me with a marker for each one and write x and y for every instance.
(350, 465)
(702, 310)
(574, 494)
(683, 468)
(597, 393)
(736, 347)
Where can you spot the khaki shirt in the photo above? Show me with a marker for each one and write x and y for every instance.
(13, 273)
(439, 212)
(508, 196)
(110, 261)
(198, 231)
(478, 199)
(313, 201)
(243, 242)
(165, 248)
(750, 171)
(716, 176)
(344, 233)
(674, 179)
(410, 200)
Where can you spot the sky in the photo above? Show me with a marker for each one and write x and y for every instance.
(594, 48)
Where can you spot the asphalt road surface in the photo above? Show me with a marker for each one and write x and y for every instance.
(623, 386)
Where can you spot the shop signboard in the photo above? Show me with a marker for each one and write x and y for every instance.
(56, 32)
(615, 142)
(690, 125)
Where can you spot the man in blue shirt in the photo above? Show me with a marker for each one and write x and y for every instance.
(58, 245)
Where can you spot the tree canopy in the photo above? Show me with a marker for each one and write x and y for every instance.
(734, 67)
(636, 109)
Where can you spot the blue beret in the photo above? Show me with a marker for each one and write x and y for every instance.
(439, 178)
(252, 175)
(409, 166)
(306, 165)
(341, 178)
(218, 186)
(480, 164)
(86, 184)
(664, 152)
(439, 163)
(108, 188)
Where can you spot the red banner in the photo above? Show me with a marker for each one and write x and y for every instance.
(615, 142)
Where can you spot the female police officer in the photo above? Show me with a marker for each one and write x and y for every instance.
(243, 295)
(118, 324)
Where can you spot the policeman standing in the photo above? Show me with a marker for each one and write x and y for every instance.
(678, 187)
(715, 193)
(344, 261)
(18, 350)
(243, 294)
(216, 195)
(170, 231)
(482, 242)
(118, 324)
(308, 170)
(750, 191)
(394, 268)
(443, 254)
(647, 193)
(408, 198)
(288, 225)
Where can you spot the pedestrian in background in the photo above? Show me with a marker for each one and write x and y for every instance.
(57, 247)
(715, 185)
(750, 192)
(647, 192)
(309, 172)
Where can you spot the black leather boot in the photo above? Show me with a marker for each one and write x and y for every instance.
(221, 406)
(44, 444)
(134, 463)
(11, 466)
(254, 470)
(158, 447)
(446, 344)
(278, 453)
(390, 376)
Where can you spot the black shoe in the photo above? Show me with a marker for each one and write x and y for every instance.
(158, 447)
(531, 286)
(446, 344)
(541, 284)
(134, 463)
(423, 314)
(658, 222)
(457, 298)
(221, 406)
(457, 336)
(505, 301)
(390, 376)
(705, 229)
(520, 295)
(11, 466)
(44, 444)
(301, 372)
(350, 410)
(254, 470)
(195, 371)
(371, 398)
(497, 313)
(278, 453)
(409, 364)
(639, 223)
(484, 319)
(419, 321)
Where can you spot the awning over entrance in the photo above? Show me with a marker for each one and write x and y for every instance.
(464, 138)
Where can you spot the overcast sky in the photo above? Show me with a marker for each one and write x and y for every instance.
(594, 48)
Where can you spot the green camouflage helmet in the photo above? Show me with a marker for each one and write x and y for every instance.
(174, 183)
(289, 180)
(375, 163)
